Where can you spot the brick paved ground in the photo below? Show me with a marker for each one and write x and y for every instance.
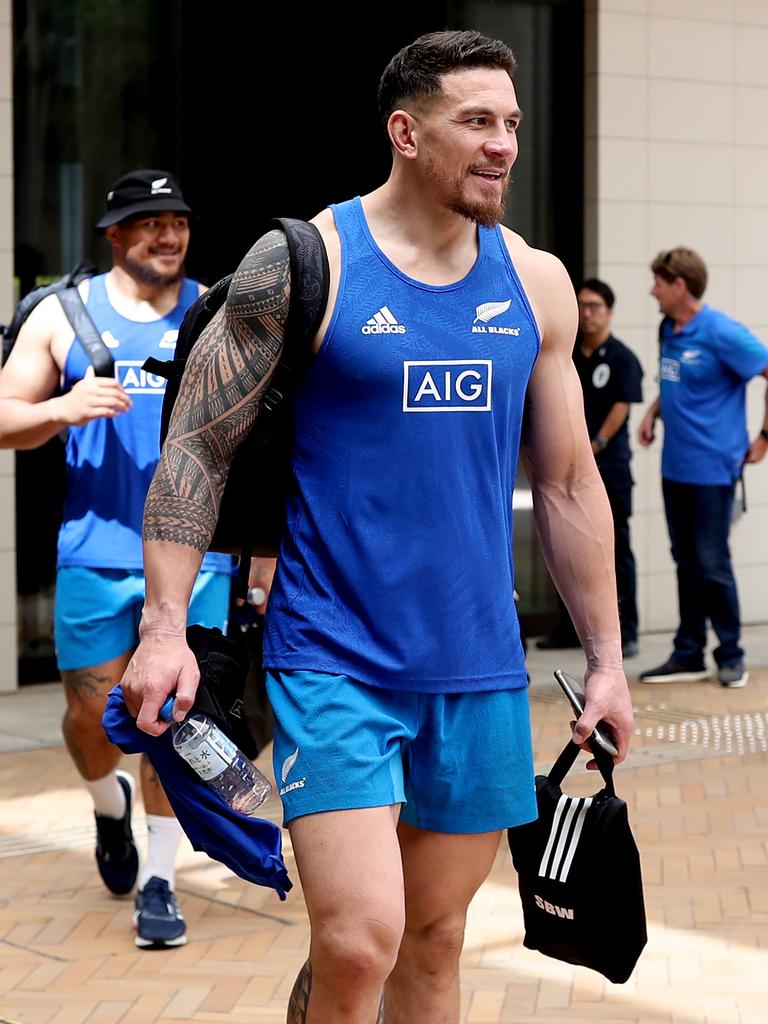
(696, 785)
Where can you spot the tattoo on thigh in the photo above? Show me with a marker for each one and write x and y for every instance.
(85, 682)
(299, 1001)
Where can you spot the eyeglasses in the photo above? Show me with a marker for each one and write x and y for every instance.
(592, 307)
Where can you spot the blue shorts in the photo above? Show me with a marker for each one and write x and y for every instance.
(97, 611)
(458, 762)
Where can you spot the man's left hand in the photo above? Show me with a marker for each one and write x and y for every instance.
(608, 700)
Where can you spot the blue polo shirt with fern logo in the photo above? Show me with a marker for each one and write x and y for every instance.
(704, 369)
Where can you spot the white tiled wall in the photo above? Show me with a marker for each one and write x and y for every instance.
(677, 154)
(8, 680)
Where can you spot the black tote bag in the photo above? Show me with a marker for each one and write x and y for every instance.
(579, 874)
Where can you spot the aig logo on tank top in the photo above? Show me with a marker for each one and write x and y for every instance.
(137, 381)
(447, 385)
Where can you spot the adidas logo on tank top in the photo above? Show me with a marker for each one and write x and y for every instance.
(383, 321)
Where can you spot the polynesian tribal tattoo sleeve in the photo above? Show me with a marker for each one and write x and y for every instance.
(226, 374)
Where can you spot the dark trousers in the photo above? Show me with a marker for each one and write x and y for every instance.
(620, 498)
(699, 521)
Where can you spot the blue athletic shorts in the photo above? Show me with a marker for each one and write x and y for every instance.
(97, 611)
(458, 762)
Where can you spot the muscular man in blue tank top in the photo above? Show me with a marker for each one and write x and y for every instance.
(402, 747)
(112, 448)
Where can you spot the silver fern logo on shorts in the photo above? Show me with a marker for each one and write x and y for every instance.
(285, 771)
(288, 763)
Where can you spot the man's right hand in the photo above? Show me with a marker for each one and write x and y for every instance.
(646, 431)
(162, 665)
(91, 398)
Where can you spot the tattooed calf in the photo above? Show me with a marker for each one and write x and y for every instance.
(299, 1000)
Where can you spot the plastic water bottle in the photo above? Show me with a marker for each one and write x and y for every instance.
(217, 760)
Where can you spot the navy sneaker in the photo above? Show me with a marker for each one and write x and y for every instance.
(674, 672)
(158, 920)
(116, 854)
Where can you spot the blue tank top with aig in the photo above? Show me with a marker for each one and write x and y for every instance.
(110, 462)
(396, 565)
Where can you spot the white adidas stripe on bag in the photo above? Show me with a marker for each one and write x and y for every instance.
(562, 838)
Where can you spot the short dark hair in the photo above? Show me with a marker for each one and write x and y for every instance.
(594, 284)
(415, 71)
(682, 262)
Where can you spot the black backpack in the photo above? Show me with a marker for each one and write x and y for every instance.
(252, 511)
(579, 874)
(86, 332)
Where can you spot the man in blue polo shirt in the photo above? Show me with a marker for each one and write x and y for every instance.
(706, 360)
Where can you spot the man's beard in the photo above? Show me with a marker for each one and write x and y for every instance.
(147, 274)
(486, 212)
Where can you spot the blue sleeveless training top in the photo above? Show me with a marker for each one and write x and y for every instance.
(396, 566)
(110, 462)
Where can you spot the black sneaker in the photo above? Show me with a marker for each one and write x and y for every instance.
(733, 675)
(116, 854)
(159, 922)
(673, 672)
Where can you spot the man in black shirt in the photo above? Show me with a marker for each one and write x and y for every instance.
(611, 380)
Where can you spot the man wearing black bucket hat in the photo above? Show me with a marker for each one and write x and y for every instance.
(112, 425)
(142, 192)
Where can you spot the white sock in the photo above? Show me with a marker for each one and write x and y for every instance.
(163, 838)
(107, 795)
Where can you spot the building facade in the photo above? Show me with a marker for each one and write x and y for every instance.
(8, 612)
(676, 137)
(645, 128)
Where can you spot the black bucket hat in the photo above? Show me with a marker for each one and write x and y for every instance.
(144, 191)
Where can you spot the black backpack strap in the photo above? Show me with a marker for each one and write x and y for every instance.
(86, 332)
(310, 280)
(242, 576)
(309, 271)
(169, 369)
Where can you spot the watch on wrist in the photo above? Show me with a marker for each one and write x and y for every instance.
(601, 441)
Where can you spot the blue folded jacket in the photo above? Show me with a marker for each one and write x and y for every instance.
(251, 847)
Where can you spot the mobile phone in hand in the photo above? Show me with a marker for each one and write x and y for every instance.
(574, 691)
